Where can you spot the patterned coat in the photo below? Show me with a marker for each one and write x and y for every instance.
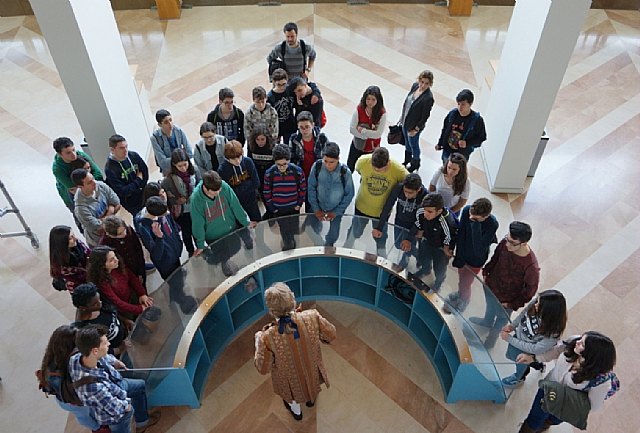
(295, 364)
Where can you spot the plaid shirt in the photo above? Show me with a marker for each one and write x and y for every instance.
(107, 400)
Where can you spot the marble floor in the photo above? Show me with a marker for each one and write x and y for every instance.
(582, 203)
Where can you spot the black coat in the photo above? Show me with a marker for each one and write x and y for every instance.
(420, 109)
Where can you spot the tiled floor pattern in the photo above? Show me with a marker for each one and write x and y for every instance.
(582, 203)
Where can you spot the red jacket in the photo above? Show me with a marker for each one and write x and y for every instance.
(120, 290)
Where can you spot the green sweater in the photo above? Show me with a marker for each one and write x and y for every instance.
(62, 172)
(214, 219)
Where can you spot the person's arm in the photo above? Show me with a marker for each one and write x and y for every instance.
(163, 160)
(198, 223)
(273, 124)
(241, 137)
(478, 135)
(326, 328)
(119, 185)
(433, 183)
(482, 241)
(552, 353)
(236, 208)
(531, 280)
(537, 348)
(255, 180)
(353, 126)
(388, 205)
(267, 190)
(114, 405)
(112, 197)
(122, 306)
(598, 394)
(198, 158)
(312, 190)
(134, 282)
(88, 220)
(170, 189)
(376, 133)
(446, 130)
(142, 167)
(349, 193)
(263, 357)
(302, 189)
(459, 205)
(274, 54)
(425, 111)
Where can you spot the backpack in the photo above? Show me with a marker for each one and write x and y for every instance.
(343, 172)
(400, 289)
(279, 63)
(67, 392)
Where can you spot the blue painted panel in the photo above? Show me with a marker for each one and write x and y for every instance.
(476, 382)
(360, 291)
(395, 307)
(320, 266)
(320, 286)
(359, 271)
(284, 271)
(248, 309)
(171, 387)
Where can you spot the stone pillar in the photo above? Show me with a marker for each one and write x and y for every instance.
(541, 38)
(85, 44)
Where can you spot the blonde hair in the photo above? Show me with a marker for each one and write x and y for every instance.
(280, 300)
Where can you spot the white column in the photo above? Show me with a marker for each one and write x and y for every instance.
(85, 44)
(542, 35)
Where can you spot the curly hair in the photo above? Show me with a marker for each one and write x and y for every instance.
(257, 132)
(96, 269)
(280, 300)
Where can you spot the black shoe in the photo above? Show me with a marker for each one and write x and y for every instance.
(310, 403)
(415, 165)
(296, 417)
(407, 158)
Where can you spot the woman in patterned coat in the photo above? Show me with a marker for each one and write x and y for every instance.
(289, 347)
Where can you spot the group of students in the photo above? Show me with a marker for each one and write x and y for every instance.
(213, 189)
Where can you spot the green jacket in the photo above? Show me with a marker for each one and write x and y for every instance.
(62, 172)
(214, 219)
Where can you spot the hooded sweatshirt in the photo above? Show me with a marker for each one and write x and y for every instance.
(213, 219)
(123, 180)
(165, 252)
(62, 172)
(245, 182)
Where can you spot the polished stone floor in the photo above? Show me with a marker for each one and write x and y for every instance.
(582, 203)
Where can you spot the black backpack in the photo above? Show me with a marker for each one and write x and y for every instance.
(279, 62)
(343, 172)
(400, 289)
(67, 392)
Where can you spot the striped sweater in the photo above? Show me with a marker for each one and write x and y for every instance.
(284, 190)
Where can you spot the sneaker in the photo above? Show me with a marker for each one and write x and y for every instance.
(149, 267)
(154, 417)
(512, 381)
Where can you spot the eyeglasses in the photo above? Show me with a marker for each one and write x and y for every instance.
(208, 137)
(512, 243)
(282, 164)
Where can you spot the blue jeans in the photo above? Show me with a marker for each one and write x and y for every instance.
(412, 144)
(429, 256)
(521, 369)
(137, 392)
(124, 426)
(357, 229)
(537, 416)
(400, 235)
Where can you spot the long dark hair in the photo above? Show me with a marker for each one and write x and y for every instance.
(378, 109)
(598, 356)
(180, 155)
(461, 178)
(59, 349)
(552, 311)
(258, 131)
(151, 189)
(58, 248)
(96, 269)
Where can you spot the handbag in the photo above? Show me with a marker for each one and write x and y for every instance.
(395, 135)
(566, 403)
